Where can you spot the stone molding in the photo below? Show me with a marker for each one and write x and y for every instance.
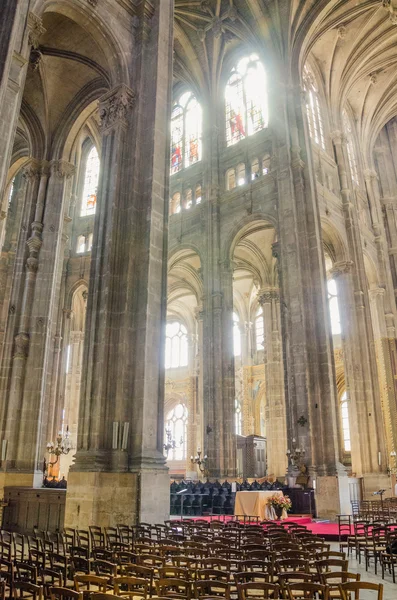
(268, 295)
(62, 168)
(36, 30)
(341, 268)
(115, 107)
(391, 7)
(338, 138)
(32, 170)
(21, 345)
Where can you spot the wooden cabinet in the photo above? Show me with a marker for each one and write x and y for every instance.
(30, 508)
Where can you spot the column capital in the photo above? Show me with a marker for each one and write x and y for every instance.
(341, 268)
(36, 29)
(370, 174)
(266, 295)
(115, 107)
(35, 168)
(62, 168)
(391, 7)
(338, 137)
(375, 292)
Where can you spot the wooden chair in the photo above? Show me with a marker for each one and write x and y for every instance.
(171, 571)
(332, 564)
(256, 591)
(305, 591)
(355, 587)
(63, 593)
(151, 560)
(334, 579)
(252, 576)
(289, 564)
(212, 588)
(131, 587)
(86, 584)
(140, 572)
(27, 590)
(104, 596)
(213, 575)
(25, 572)
(173, 588)
(293, 577)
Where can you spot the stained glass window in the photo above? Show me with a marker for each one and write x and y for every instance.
(91, 179)
(11, 192)
(259, 329)
(186, 125)
(188, 198)
(175, 204)
(176, 346)
(313, 111)
(241, 174)
(176, 425)
(254, 169)
(334, 307)
(266, 164)
(246, 100)
(351, 155)
(236, 335)
(89, 242)
(344, 410)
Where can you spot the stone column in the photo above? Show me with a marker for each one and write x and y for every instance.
(310, 388)
(120, 474)
(363, 375)
(34, 340)
(20, 31)
(276, 432)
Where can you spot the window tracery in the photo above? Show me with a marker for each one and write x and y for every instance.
(246, 100)
(176, 424)
(344, 410)
(91, 180)
(186, 127)
(313, 111)
(80, 244)
(259, 330)
(176, 345)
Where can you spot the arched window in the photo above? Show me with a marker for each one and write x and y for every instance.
(175, 204)
(314, 118)
(186, 125)
(259, 330)
(176, 425)
(10, 193)
(246, 100)
(266, 164)
(344, 412)
(241, 174)
(230, 179)
(333, 307)
(238, 417)
(176, 346)
(236, 335)
(89, 242)
(254, 169)
(188, 199)
(91, 179)
(198, 194)
(351, 155)
(80, 244)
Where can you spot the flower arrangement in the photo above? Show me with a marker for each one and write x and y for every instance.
(280, 501)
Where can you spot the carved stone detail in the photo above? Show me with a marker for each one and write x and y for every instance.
(268, 295)
(21, 345)
(115, 107)
(36, 29)
(341, 268)
(391, 7)
(62, 168)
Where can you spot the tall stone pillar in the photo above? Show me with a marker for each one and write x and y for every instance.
(276, 433)
(363, 373)
(20, 31)
(309, 381)
(120, 474)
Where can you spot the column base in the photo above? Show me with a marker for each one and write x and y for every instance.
(107, 499)
(332, 496)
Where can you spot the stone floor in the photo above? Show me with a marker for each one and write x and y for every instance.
(390, 588)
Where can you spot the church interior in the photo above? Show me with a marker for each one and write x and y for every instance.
(198, 227)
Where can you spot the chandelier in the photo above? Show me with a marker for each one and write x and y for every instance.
(295, 454)
(200, 462)
(171, 443)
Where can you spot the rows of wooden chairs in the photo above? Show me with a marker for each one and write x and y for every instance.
(185, 560)
(370, 541)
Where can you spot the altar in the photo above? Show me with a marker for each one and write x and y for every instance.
(255, 504)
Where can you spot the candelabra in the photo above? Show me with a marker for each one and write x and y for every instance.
(171, 443)
(200, 462)
(63, 445)
(295, 454)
